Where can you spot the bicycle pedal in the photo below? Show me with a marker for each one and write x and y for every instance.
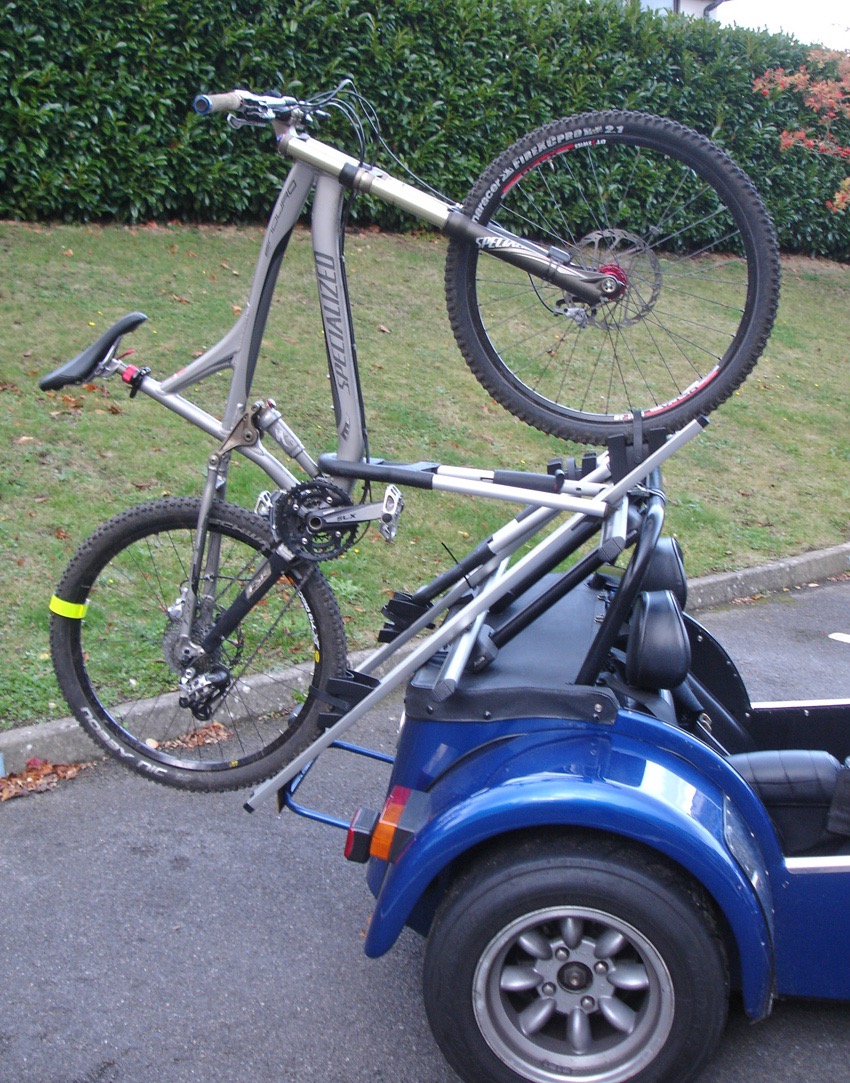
(391, 512)
(264, 505)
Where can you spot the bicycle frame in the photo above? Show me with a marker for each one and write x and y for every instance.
(331, 173)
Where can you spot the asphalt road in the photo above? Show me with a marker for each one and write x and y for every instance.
(150, 935)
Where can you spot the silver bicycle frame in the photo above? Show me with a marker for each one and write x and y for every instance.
(239, 348)
(330, 173)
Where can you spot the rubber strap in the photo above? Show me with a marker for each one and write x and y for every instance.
(68, 609)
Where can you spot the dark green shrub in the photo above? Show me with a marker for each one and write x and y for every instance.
(98, 123)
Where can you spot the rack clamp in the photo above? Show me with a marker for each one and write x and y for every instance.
(624, 454)
(570, 469)
(341, 694)
(400, 611)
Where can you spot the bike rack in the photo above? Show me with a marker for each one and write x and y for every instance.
(286, 794)
(364, 692)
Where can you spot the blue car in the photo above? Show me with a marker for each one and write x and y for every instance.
(601, 836)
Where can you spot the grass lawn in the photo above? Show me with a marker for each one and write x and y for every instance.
(770, 477)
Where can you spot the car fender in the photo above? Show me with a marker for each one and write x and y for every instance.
(626, 781)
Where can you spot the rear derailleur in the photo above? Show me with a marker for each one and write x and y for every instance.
(200, 692)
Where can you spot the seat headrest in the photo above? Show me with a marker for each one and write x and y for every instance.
(658, 654)
(666, 570)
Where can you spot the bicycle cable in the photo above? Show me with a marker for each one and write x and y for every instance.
(336, 98)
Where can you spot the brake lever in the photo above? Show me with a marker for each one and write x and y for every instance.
(238, 122)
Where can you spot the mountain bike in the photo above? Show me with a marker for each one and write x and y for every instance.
(611, 278)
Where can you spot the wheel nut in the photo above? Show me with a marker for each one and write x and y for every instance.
(561, 954)
(548, 989)
(601, 968)
(588, 1003)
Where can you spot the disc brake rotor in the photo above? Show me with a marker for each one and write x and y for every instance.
(630, 260)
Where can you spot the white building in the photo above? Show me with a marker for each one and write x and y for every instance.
(704, 9)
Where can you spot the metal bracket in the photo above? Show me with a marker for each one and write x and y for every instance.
(245, 433)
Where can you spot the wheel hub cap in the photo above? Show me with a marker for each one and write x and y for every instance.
(573, 994)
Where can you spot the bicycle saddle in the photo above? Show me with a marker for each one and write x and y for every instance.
(83, 366)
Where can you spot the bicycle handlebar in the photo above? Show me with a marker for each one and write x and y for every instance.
(252, 108)
(217, 103)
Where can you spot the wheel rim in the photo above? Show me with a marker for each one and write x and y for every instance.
(572, 993)
(271, 660)
(688, 284)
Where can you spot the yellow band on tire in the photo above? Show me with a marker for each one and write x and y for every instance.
(68, 609)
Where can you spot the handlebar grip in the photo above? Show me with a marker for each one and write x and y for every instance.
(217, 103)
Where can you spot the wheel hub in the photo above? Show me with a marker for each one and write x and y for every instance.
(575, 977)
(632, 262)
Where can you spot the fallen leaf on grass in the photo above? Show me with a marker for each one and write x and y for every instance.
(37, 777)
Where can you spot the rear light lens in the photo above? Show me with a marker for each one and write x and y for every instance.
(385, 836)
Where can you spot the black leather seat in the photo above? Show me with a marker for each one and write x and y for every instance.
(666, 570)
(798, 789)
(805, 791)
(658, 654)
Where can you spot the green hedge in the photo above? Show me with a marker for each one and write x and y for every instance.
(98, 123)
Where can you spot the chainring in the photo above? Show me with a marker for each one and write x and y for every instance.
(296, 521)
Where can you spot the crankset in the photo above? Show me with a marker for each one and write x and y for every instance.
(302, 518)
(318, 521)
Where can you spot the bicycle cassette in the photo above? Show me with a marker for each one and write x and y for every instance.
(315, 519)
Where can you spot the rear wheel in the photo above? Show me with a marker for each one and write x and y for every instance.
(117, 645)
(581, 961)
(662, 210)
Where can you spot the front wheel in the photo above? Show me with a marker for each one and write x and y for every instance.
(580, 961)
(653, 205)
(119, 634)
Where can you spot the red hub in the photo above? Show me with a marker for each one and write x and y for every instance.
(615, 271)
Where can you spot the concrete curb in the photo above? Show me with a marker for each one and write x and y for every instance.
(714, 590)
(63, 741)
